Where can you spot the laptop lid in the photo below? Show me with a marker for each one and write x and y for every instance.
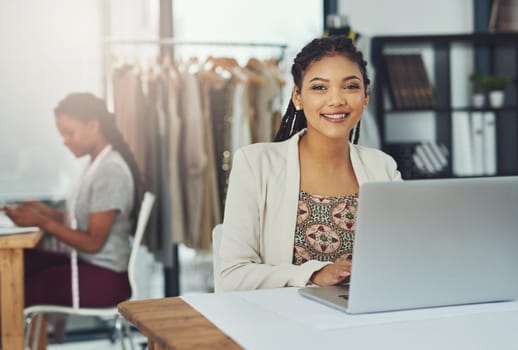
(428, 243)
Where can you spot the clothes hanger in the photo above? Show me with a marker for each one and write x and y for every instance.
(254, 64)
(170, 71)
(273, 66)
(193, 65)
(208, 74)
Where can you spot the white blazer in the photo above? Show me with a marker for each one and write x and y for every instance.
(261, 213)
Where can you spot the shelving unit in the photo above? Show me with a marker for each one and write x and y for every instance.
(500, 52)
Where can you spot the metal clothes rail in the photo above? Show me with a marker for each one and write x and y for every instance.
(171, 41)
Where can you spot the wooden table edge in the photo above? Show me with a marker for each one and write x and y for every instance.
(21, 240)
(158, 338)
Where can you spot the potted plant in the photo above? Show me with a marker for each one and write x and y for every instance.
(477, 89)
(495, 85)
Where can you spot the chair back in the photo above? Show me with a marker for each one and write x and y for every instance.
(29, 312)
(143, 218)
(217, 232)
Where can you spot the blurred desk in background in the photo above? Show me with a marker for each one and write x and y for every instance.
(12, 285)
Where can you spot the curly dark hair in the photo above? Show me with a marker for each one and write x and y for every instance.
(85, 107)
(293, 121)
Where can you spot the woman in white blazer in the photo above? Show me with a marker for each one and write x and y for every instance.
(290, 208)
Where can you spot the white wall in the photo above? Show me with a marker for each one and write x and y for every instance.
(410, 17)
(375, 17)
(134, 18)
(291, 22)
(49, 48)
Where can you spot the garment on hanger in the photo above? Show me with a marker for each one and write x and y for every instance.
(241, 131)
(264, 101)
(212, 205)
(129, 108)
(151, 171)
(193, 157)
(176, 213)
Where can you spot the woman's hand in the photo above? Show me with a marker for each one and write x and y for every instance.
(24, 215)
(34, 204)
(332, 274)
(45, 210)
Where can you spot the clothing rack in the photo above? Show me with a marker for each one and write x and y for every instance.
(172, 274)
(108, 42)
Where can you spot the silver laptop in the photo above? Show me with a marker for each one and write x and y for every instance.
(429, 243)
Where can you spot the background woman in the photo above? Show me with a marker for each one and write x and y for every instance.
(99, 214)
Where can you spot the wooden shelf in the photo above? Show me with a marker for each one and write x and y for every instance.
(493, 53)
(490, 39)
(454, 109)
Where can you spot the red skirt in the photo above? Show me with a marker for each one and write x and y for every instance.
(48, 281)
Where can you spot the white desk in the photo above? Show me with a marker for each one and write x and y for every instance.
(281, 319)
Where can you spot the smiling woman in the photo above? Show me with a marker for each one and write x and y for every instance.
(332, 95)
(291, 205)
(343, 70)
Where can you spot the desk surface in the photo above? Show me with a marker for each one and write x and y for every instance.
(281, 319)
(171, 323)
(20, 240)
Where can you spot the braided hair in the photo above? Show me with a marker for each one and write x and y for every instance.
(87, 107)
(293, 121)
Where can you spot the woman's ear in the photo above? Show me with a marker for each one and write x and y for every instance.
(295, 98)
(367, 97)
(94, 125)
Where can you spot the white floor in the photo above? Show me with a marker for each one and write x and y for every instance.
(195, 276)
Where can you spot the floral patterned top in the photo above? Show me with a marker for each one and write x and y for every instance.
(325, 227)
